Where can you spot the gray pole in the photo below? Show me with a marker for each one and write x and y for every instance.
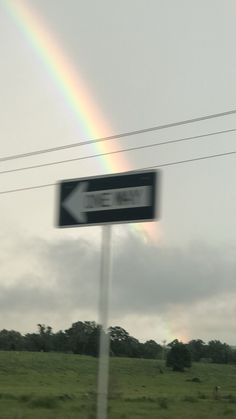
(103, 365)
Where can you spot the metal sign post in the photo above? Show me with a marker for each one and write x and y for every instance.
(104, 347)
(106, 200)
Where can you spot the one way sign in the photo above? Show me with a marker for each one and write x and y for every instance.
(129, 197)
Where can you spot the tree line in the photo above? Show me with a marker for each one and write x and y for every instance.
(83, 338)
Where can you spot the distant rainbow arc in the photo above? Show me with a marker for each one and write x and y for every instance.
(73, 89)
(66, 77)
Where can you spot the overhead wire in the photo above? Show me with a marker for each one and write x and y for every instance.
(117, 136)
(109, 153)
(211, 156)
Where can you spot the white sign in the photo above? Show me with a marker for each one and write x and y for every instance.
(119, 198)
(81, 201)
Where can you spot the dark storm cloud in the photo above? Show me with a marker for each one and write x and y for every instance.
(146, 278)
(67, 279)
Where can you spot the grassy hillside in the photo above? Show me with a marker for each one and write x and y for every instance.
(60, 386)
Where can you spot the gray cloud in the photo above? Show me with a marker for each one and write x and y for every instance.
(60, 283)
(49, 281)
(148, 278)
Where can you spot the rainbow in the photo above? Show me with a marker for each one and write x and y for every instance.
(75, 93)
(69, 82)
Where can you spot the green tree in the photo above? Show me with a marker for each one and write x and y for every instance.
(219, 352)
(151, 349)
(122, 344)
(92, 347)
(46, 337)
(60, 342)
(178, 357)
(79, 336)
(10, 340)
(198, 349)
(32, 342)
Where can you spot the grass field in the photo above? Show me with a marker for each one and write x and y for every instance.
(61, 386)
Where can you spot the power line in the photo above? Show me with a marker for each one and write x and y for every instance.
(28, 188)
(117, 136)
(211, 156)
(37, 166)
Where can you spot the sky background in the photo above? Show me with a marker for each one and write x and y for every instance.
(142, 63)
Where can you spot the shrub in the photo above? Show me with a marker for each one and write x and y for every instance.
(47, 402)
(25, 398)
(190, 399)
(178, 357)
(163, 403)
(202, 396)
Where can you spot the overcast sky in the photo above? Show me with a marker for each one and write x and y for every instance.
(143, 63)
